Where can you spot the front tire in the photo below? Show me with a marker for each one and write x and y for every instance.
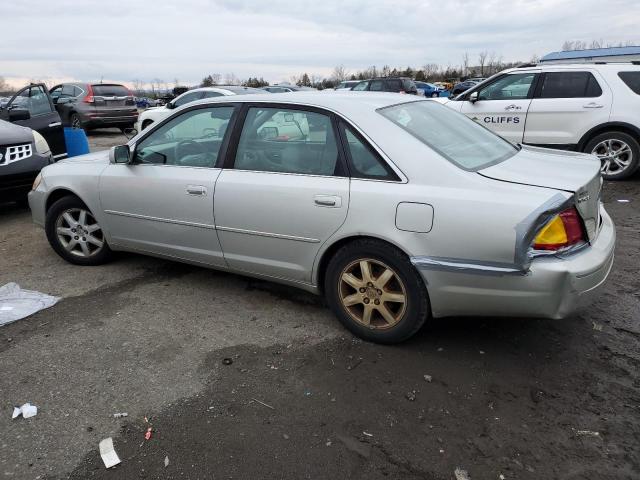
(74, 233)
(375, 292)
(619, 154)
(434, 95)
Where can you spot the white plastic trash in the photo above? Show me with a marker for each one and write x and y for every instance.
(16, 303)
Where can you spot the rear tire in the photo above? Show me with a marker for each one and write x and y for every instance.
(434, 95)
(376, 292)
(619, 154)
(74, 233)
(74, 121)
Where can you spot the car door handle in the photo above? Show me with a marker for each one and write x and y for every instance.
(196, 190)
(513, 107)
(593, 105)
(328, 201)
(55, 124)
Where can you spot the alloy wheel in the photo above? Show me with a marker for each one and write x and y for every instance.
(75, 122)
(615, 156)
(79, 233)
(372, 293)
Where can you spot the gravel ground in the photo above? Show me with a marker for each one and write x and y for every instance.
(526, 399)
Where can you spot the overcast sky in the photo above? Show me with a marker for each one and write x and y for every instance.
(188, 39)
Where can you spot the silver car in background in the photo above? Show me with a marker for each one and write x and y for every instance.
(395, 208)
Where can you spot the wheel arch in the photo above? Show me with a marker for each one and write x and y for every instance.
(609, 127)
(330, 250)
(59, 193)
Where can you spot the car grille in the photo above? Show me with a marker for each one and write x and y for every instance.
(16, 153)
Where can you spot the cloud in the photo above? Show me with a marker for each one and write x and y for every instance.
(145, 40)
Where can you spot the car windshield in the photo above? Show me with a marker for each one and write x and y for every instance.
(454, 136)
(104, 90)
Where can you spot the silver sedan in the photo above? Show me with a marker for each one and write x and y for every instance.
(396, 209)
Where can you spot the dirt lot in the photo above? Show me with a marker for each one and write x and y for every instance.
(507, 398)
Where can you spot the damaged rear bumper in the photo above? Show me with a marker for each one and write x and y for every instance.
(552, 287)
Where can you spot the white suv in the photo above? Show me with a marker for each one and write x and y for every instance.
(593, 108)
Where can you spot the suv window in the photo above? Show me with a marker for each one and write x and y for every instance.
(376, 86)
(288, 141)
(569, 85)
(509, 87)
(35, 99)
(187, 98)
(360, 86)
(68, 91)
(191, 139)
(631, 80)
(102, 90)
(363, 160)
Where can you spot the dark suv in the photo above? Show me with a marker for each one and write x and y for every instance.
(93, 105)
(387, 84)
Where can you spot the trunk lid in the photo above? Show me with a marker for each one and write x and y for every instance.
(107, 96)
(578, 173)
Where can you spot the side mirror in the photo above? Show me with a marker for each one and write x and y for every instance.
(170, 105)
(473, 97)
(17, 114)
(120, 154)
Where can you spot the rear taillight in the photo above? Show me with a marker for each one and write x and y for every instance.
(563, 230)
(89, 97)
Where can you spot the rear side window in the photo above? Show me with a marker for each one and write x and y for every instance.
(394, 85)
(102, 90)
(376, 86)
(631, 80)
(364, 162)
(570, 85)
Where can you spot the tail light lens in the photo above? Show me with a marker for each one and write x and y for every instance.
(563, 230)
(89, 97)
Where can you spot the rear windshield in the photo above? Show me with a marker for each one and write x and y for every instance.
(632, 80)
(454, 136)
(103, 90)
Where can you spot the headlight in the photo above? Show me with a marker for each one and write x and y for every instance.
(42, 147)
(36, 182)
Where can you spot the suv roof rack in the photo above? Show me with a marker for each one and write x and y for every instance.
(527, 65)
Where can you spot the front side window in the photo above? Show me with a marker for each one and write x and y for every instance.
(35, 99)
(509, 87)
(376, 86)
(360, 87)
(187, 98)
(631, 80)
(569, 85)
(287, 141)
(192, 139)
(454, 136)
(363, 161)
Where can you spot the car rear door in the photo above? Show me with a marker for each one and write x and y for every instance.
(43, 116)
(281, 197)
(502, 104)
(566, 105)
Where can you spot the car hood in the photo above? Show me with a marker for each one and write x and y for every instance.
(96, 157)
(11, 133)
(543, 167)
(442, 100)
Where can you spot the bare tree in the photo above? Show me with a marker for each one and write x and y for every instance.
(534, 58)
(482, 60)
(231, 79)
(465, 64)
(138, 87)
(430, 70)
(339, 73)
(4, 86)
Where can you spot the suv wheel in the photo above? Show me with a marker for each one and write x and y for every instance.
(375, 292)
(618, 152)
(75, 121)
(74, 233)
(434, 95)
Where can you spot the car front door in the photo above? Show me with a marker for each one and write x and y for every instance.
(43, 117)
(566, 105)
(282, 196)
(502, 105)
(162, 201)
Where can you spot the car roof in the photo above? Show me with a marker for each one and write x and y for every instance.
(346, 103)
(576, 66)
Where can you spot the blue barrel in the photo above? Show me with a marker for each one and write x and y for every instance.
(76, 141)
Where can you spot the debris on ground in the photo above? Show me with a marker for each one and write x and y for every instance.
(108, 453)
(16, 303)
(587, 433)
(166, 461)
(597, 326)
(411, 396)
(27, 411)
(461, 474)
(355, 364)
(227, 361)
(147, 434)
(120, 415)
(428, 378)
(262, 403)
(623, 200)
(367, 434)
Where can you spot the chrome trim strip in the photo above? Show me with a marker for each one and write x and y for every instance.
(465, 266)
(163, 220)
(271, 235)
(60, 155)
